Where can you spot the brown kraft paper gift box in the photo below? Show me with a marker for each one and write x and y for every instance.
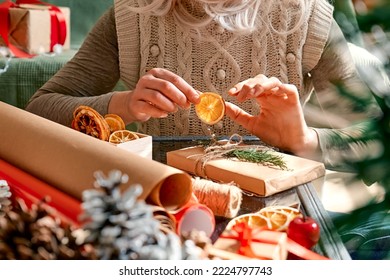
(30, 28)
(253, 177)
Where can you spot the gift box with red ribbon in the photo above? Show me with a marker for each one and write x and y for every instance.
(241, 240)
(31, 27)
(256, 244)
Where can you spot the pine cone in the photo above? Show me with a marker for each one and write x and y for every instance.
(123, 227)
(5, 193)
(33, 234)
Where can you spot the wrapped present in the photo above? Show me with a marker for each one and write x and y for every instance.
(242, 241)
(261, 179)
(142, 146)
(32, 27)
(253, 243)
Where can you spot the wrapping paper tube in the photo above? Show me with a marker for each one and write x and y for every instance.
(34, 191)
(194, 216)
(67, 159)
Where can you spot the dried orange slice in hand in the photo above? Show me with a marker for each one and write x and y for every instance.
(115, 122)
(90, 122)
(122, 136)
(211, 108)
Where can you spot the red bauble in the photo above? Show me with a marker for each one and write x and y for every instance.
(304, 230)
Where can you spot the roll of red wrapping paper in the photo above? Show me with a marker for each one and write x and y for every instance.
(194, 216)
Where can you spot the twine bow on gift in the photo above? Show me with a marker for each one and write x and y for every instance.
(234, 148)
(58, 25)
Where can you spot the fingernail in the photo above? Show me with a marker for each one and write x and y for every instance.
(163, 115)
(233, 91)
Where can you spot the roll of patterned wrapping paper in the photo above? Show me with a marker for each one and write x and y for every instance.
(194, 216)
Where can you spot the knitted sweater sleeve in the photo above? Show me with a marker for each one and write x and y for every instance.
(337, 66)
(87, 79)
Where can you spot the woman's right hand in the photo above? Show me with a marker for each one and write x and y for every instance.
(157, 93)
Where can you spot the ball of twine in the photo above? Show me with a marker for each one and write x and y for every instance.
(223, 199)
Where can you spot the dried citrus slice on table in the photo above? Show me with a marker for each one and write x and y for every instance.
(89, 121)
(253, 220)
(271, 217)
(115, 122)
(122, 136)
(279, 216)
(211, 108)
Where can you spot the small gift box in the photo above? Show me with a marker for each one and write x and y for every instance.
(36, 29)
(252, 243)
(143, 146)
(257, 178)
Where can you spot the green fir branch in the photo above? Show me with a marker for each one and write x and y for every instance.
(257, 156)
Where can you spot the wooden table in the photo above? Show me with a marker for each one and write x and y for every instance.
(304, 196)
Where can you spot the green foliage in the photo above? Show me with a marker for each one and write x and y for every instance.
(263, 157)
(377, 16)
(375, 167)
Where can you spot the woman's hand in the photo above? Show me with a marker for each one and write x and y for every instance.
(281, 121)
(157, 93)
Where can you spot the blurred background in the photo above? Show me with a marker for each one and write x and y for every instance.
(365, 23)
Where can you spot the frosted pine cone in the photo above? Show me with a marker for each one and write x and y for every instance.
(5, 194)
(123, 227)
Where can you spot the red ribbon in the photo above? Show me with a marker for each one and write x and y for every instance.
(57, 20)
(245, 235)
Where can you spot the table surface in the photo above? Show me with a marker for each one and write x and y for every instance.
(303, 196)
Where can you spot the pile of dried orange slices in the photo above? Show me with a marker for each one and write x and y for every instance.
(109, 128)
(271, 218)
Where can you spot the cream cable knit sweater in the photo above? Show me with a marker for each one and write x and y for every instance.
(218, 59)
(125, 45)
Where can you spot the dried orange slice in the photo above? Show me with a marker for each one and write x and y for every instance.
(271, 218)
(253, 220)
(279, 216)
(211, 108)
(90, 122)
(122, 136)
(115, 122)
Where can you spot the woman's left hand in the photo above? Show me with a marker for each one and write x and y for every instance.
(281, 121)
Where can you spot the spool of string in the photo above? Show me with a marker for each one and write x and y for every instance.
(223, 199)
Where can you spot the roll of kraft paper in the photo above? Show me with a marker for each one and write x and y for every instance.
(67, 159)
(194, 216)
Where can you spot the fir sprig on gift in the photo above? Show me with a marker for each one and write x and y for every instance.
(121, 226)
(233, 148)
(258, 156)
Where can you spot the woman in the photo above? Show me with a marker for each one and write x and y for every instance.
(257, 54)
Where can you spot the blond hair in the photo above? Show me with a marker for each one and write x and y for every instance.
(233, 15)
